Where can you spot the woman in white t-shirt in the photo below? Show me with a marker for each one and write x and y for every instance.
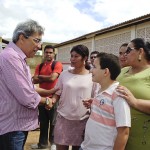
(75, 85)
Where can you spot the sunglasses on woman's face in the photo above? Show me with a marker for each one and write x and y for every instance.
(129, 49)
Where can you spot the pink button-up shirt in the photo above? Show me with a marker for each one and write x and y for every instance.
(18, 98)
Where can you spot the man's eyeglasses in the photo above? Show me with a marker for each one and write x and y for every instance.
(36, 40)
(93, 57)
(129, 49)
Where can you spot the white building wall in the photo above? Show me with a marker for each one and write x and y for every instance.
(107, 42)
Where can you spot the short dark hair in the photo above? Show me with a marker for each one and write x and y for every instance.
(111, 62)
(124, 44)
(49, 46)
(83, 51)
(94, 52)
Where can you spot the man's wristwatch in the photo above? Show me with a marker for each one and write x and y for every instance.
(47, 102)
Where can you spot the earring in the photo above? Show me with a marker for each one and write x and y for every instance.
(139, 58)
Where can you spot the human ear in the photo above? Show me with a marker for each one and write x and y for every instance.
(106, 71)
(21, 37)
(141, 51)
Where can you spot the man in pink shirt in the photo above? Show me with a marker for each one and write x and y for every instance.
(18, 97)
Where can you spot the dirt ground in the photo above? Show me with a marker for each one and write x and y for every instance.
(33, 138)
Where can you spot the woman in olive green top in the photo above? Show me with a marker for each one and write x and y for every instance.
(136, 78)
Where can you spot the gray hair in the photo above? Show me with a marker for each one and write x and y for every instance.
(27, 28)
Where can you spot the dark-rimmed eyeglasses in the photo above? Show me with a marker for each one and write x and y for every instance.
(36, 40)
(92, 57)
(129, 49)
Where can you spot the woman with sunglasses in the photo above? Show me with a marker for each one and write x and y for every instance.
(93, 55)
(136, 79)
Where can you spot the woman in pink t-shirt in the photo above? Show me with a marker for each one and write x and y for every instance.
(75, 85)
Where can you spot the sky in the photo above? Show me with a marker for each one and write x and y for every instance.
(64, 20)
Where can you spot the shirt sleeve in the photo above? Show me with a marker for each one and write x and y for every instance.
(37, 70)
(122, 112)
(59, 85)
(58, 68)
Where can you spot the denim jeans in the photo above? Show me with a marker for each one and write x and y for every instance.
(80, 148)
(13, 140)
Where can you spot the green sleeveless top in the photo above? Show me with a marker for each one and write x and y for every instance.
(139, 85)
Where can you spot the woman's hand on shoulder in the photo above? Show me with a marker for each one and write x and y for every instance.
(127, 95)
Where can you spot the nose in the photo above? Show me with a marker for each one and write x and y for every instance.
(125, 54)
(39, 45)
(72, 58)
(122, 56)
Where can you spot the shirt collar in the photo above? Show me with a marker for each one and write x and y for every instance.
(111, 88)
(17, 49)
(49, 62)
